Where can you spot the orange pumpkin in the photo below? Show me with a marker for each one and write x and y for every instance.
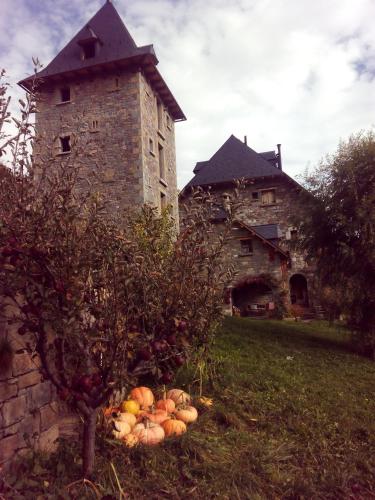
(143, 395)
(179, 396)
(167, 405)
(187, 414)
(156, 416)
(149, 433)
(127, 417)
(173, 427)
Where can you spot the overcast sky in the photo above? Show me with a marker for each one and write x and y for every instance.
(298, 72)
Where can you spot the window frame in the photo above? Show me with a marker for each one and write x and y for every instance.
(263, 191)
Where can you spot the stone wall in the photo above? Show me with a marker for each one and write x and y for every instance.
(160, 134)
(254, 213)
(113, 116)
(28, 406)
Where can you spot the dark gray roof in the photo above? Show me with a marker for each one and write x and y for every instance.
(115, 46)
(234, 160)
(115, 43)
(268, 231)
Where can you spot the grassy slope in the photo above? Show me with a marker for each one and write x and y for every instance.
(293, 418)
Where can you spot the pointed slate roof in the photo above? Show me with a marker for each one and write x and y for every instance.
(234, 160)
(115, 48)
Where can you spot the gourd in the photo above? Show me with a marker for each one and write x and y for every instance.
(121, 429)
(173, 427)
(130, 406)
(187, 414)
(167, 405)
(143, 395)
(178, 396)
(130, 418)
(149, 433)
(130, 440)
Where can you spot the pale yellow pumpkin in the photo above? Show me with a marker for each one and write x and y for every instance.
(178, 396)
(173, 427)
(149, 433)
(121, 429)
(187, 414)
(127, 417)
(143, 395)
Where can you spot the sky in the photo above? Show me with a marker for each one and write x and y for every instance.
(296, 72)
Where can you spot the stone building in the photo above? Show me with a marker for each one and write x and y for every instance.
(103, 96)
(269, 272)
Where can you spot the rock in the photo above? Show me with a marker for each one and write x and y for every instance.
(14, 410)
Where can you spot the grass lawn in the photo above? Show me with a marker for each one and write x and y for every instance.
(293, 418)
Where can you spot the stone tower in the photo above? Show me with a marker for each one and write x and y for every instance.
(105, 88)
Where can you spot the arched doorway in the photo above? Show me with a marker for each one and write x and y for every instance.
(253, 298)
(298, 290)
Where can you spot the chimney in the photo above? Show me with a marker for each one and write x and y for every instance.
(279, 163)
(245, 140)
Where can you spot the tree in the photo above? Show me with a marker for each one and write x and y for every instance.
(336, 220)
(102, 304)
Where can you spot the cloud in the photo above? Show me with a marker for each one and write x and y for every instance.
(296, 72)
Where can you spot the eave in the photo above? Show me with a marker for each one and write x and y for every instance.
(147, 63)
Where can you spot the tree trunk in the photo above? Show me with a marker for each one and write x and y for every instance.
(88, 452)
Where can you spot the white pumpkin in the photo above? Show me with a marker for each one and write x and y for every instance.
(121, 429)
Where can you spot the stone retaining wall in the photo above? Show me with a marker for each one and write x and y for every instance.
(28, 405)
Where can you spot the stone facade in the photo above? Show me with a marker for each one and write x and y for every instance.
(28, 408)
(114, 132)
(263, 275)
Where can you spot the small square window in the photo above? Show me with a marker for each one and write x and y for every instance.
(255, 195)
(246, 247)
(95, 125)
(89, 50)
(268, 197)
(293, 234)
(65, 94)
(65, 144)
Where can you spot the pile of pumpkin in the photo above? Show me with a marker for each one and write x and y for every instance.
(141, 420)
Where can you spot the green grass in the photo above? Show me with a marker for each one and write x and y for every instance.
(293, 418)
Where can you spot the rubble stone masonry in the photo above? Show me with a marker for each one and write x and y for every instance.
(28, 407)
(111, 119)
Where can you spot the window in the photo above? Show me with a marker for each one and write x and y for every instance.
(255, 196)
(160, 115)
(268, 196)
(151, 146)
(65, 144)
(161, 161)
(95, 126)
(65, 94)
(169, 121)
(293, 234)
(88, 50)
(163, 201)
(246, 247)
